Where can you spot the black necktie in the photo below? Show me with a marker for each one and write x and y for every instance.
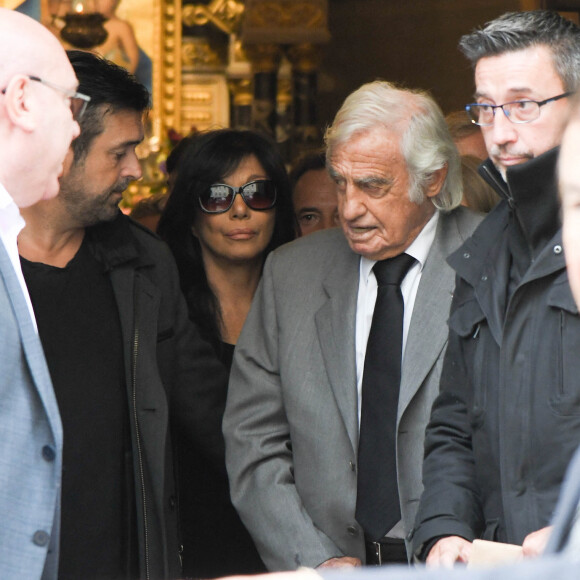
(377, 506)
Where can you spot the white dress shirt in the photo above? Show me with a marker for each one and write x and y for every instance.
(11, 223)
(367, 296)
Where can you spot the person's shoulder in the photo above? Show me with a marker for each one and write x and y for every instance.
(149, 240)
(314, 247)
(141, 231)
(466, 219)
(308, 259)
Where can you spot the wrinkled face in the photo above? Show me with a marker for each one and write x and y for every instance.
(376, 215)
(527, 74)
(239, 234)
(569, 174)
(92, 189)
(315, 202)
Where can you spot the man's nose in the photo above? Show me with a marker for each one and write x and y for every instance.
(133, 168)
(351, 205)
(503, 130)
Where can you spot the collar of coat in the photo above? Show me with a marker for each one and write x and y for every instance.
(531, 192)
(531, 195)
(114, 243)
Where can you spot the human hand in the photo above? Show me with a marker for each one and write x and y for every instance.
(344, 562)
(535, 542)
(448, 551)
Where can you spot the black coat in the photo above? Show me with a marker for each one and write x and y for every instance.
(507, 420)
(171, 375)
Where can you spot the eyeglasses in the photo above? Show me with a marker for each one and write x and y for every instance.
(78, 101)
(516, 111)
(258, 195)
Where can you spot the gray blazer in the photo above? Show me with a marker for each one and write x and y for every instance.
(30, 442)
(291, 421)
(556, 563)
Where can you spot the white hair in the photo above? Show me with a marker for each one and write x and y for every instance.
(425, 142)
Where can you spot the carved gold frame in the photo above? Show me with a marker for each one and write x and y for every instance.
(167, 68)
(167, 65)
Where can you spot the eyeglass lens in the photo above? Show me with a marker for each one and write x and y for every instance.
(518, 112)
(78, 107)
(78, 102)
(258, 195)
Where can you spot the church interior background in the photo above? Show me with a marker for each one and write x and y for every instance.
(281, 66)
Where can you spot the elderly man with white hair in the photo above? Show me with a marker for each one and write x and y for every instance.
(339, 360)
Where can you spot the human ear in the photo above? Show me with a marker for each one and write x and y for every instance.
(436, 181)
(18, 103)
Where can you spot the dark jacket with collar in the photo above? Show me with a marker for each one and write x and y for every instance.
(507, 420)
(171, 375)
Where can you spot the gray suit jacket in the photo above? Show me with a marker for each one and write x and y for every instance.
(556, 563)
(30, 442)
(291, 421)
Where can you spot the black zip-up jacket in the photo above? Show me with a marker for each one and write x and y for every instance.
(171, 376)
(507, 420)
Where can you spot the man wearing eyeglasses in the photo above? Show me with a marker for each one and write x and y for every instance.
(36, 129)
(124, 359)
(507, 420)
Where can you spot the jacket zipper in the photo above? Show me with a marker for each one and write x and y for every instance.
(497, 184)
(504, 188)
(139, 454)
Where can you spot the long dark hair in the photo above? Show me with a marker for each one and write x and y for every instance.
(207, 159)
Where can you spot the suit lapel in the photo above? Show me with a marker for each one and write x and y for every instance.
(335, 323)
(30, 341)
(428, 330)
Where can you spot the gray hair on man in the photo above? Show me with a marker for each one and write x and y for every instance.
(425, 143)
(519, 30)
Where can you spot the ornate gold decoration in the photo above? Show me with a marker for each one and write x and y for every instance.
(285, 21)
(305, 57)
(197, 97)
(264, 57)
(242, 92)
(286, 14)
(284, 98)
(197, 117)
(239, 52)
(224, 14)
(166, 100)
(197, 53)
(167, 76)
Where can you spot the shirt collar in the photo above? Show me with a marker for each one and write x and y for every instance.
(419, 248)
(9, 213)
(5, 198)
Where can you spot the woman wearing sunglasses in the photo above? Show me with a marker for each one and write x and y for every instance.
(230, 206)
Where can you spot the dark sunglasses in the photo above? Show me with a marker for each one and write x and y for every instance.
(258, 195)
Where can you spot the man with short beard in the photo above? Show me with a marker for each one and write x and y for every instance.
(123, 357)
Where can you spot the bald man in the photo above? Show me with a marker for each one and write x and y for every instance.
(37, 107)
